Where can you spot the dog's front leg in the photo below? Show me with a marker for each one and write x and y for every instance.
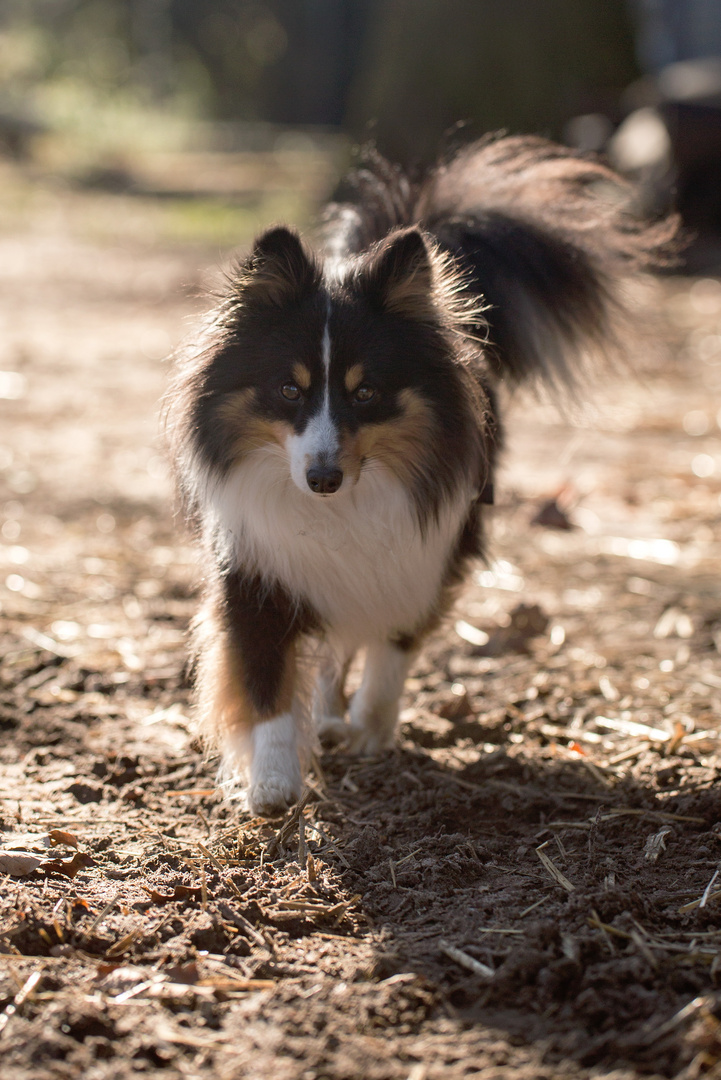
(329, 699)
(248, 689)
(374, 708)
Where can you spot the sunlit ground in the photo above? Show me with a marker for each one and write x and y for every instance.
(426, 937)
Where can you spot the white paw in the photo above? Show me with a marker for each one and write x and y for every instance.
(365, 743)
(332, 730)
(272, 795)
(372, 729)
(276, 779)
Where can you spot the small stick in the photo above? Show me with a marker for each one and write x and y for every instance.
(22, 995)
(553, 870)
(707, 895)
(283, 834)
(314, 828)
(101, 915)
(468, 962)
(302, 846)
(601, 926)
(533, 907)
(707, 890)
(219, 866)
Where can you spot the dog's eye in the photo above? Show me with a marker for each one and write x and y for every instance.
(290, 391)
(363, 394)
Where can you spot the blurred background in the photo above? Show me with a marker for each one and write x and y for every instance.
(217, 115)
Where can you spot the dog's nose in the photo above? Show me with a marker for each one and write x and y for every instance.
(324, 479)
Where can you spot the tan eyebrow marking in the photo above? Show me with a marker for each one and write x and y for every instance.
(353, 377)
(301, 374)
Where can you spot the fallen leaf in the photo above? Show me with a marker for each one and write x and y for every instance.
(527, 622)
(68, 867)
(180, 892)
(551, 516)
(183, 973)
(18, 863)
(59, 836)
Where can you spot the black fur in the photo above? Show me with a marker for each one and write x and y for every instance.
(263, 624)
(505, 263)
(544, 238)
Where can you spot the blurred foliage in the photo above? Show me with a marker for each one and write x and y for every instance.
(401, 70)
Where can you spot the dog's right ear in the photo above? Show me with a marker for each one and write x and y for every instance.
(398, 276)
(278, 271)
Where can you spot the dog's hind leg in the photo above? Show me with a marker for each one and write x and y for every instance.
(249, 691)
(374, 708)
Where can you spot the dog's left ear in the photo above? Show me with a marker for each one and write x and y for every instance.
(399, 277)
(279, 270)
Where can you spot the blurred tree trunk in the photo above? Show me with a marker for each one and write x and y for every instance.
(522, 65)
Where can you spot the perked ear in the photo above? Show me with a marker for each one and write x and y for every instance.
(399, 277)
(279, 270)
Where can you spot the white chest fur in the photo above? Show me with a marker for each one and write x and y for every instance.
(359, 558)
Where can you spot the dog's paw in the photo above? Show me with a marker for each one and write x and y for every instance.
(272, 795)
(372, 728)
(365, 743)
(276, 779)
(332, 730)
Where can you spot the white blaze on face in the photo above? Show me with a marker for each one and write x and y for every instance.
(318, 443)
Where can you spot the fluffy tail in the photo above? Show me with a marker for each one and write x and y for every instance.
(548, 239)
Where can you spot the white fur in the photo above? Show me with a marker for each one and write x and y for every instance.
(318, 442)
(326, 351)
(328, 698)
(360, 559)
(374, 709)
(273, 755)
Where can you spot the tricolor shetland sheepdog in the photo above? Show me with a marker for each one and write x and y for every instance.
(334, 433)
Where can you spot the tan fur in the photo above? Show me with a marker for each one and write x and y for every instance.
(411, 295)
(399, 444)
(245, 430)
(432, 289)
(224, 706)
(353, 378)
(271, 281)
(301, 374)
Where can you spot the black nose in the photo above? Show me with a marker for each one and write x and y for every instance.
(324, 479)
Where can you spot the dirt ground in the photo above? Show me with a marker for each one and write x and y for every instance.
(526, 887)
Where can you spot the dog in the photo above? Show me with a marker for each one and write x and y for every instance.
(335, 430)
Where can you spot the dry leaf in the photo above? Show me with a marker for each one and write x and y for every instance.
(180, 892)
(59, 836)
(656, 844)
(68, 867)
(551, 516)
(18, 863)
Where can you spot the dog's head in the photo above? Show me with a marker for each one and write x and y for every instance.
(341, 374)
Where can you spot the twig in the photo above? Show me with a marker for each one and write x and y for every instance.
(327, 840)
(528, 910)
(553, 870)
(468, 962)
(707, 895)
(101, 915)
(707, 890)
(596, 921)
(283, 835)
(22, 995)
